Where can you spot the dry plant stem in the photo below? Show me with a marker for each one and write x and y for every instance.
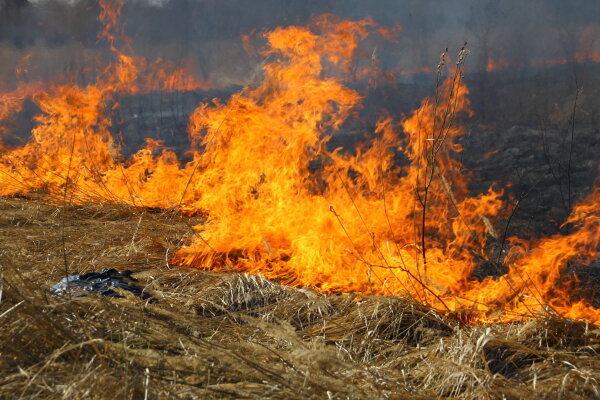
(437, 141)
(430, 160)
(391, 230)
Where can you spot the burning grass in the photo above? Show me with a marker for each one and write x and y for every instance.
(281, 203)
(263, 193)
(228, 335)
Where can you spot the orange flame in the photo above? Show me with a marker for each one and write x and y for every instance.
(496, 64)
(280, 203)
(578, 57)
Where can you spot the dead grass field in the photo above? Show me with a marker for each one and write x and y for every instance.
(226, 335)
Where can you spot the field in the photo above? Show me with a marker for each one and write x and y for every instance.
(315, 222)
(228, 335)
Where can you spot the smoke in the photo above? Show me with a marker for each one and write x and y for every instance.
(509, 30)
(151, 3)
(154, 3)
(516, 38)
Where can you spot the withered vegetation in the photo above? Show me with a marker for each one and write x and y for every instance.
(227, 335)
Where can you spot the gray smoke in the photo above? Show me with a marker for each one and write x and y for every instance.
(61, 36)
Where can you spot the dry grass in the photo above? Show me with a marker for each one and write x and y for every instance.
(226, 335)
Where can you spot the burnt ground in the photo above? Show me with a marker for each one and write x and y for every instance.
(540, 169)
(537, 166)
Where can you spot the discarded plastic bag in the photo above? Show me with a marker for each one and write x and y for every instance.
(103, 282)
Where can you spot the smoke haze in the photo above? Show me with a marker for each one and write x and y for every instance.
(509, 41)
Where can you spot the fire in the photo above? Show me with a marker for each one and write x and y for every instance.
(578, 57)
(496, 64)
(72, 150)
(281, 203)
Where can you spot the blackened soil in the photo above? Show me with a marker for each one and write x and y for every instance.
(549, 171)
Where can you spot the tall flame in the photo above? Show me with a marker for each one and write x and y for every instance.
(393, 217)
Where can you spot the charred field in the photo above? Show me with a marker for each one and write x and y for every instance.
(299, 200)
